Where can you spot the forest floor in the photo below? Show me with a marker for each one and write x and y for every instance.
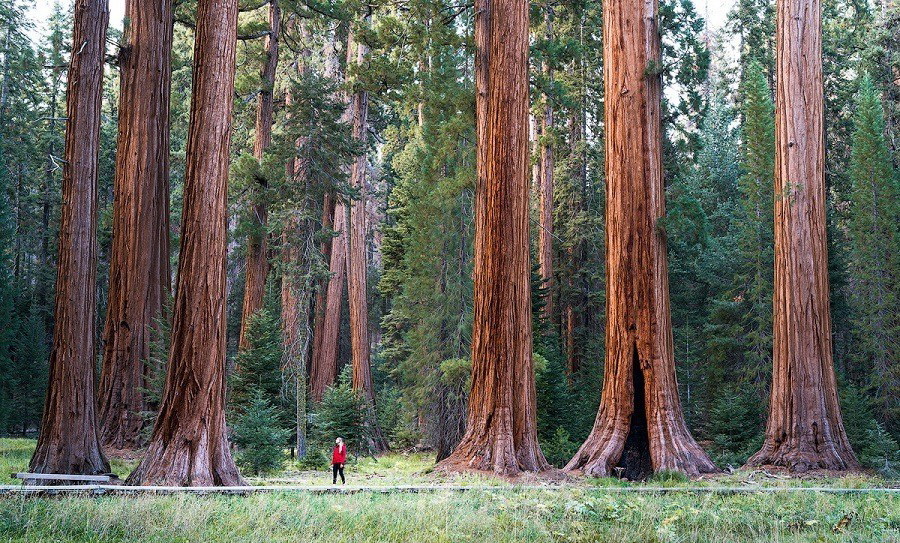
(490, 510)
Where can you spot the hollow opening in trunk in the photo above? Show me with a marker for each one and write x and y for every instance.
(635, 463)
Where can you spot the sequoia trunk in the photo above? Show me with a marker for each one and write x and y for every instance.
(804, 430)
(356, 238)
(545, 183)
(189, 445)
(501, 433)
(326, 319)
(639, 425)
(68, 440)
(139, 263)
(324, 367)
(257, 258)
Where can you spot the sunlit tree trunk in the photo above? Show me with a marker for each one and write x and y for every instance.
(257, 258)
(68, 440)
(804, 430)
(139, 273)
(501, 434)
(639, 427)
(189, 445)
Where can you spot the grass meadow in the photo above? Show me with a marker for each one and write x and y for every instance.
(491, 510)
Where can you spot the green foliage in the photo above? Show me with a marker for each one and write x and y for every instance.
(559, 449)
(258, 368)
(874, 263)
(736, 426)
(341, 413)
(874, 446)
(259, 436)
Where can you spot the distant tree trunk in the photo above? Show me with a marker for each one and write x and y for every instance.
(326, 319)
(68, 440)
(501, 434)
(189, 445)
(139, 273)
(545, 235)
(356, 247)
(639, 426)
(324, 368)
(804, 430)
(296, 288)
(257, 258)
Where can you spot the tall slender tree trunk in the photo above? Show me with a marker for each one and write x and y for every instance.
(324, 369)
(297, 247)
(356, 238)
(639, 426)
(189, 445)
(545, 235)
(68, 440)
(327, 316)
(357, 262)
(501, 431)
(257, 267)
(139, 272)
(804, 430)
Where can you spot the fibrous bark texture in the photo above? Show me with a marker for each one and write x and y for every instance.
(501, 433)
(139, 264)
(68, 440)
(257, 262)
(545, 184)
(639, 426)
(324, 366)
(327, 316)
(189, 445)
(804, 429)
(356, 238)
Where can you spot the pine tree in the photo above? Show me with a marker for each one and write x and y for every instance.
(874, 235)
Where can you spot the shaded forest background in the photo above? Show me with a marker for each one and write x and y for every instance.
(419, 160)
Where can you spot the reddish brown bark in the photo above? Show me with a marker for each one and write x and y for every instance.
(328, 207)
(639, 426)
(68, 440)
(326, 320)
(324, 367)
(545, 183)
(804, 430)
(501, 433)
(139, 264)
(189, 445)
(356, 238)
(257, 262)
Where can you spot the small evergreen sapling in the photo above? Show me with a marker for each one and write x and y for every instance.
(259, 436)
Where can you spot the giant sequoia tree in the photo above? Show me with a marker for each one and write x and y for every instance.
(189, 445)
(356, 237)
(639, 426)
(327, 317)
(257, 258)
(68, 440)
(804, 430)
(139, 264)
(501, 431)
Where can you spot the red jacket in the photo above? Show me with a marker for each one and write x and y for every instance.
(339, 455)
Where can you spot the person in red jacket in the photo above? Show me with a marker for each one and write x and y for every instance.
(338, 459)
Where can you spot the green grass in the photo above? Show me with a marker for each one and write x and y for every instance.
(16, 452)
(582, 510)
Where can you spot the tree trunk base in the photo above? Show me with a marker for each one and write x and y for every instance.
(177, 463)
(797, 458)
(494, 450)
(626, 445)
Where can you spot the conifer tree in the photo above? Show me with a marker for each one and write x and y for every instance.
(874, 233)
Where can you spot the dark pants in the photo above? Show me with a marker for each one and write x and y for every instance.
(337, 468)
